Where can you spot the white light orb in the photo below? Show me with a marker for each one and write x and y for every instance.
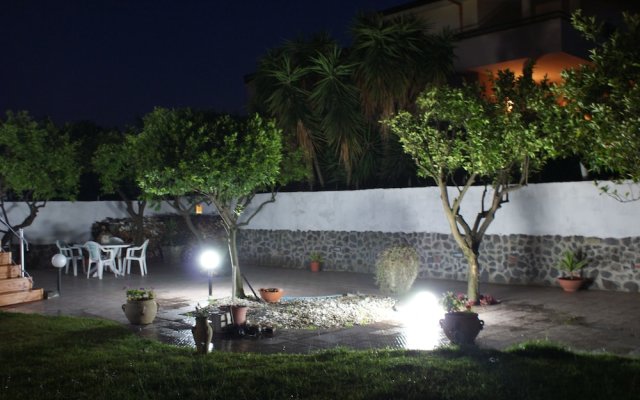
(209, 259)
(59, 260)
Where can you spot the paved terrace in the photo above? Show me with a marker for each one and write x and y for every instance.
(589, 320)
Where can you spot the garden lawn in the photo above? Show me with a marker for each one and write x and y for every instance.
(70, 358)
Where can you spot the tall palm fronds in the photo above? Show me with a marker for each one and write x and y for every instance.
(281, 93)
(330, 100)
(395, 59)
(336, 103)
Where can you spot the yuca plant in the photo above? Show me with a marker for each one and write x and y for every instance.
(397, 269)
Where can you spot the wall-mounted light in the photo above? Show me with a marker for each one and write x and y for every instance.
(198, 209)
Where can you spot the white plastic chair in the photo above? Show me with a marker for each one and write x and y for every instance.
(138, 254)
(73, 255)
(102, 258)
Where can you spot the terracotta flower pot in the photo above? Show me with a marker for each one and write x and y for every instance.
(271, 295)
(570, 284)
(239, 314)
(315, 266)
(461, 327)
(140, 312)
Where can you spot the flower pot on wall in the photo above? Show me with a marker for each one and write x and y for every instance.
(140, 312)
(461, 327)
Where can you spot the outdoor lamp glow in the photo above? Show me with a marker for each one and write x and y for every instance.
(209, 260)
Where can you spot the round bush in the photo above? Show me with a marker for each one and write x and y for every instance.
(397, 269)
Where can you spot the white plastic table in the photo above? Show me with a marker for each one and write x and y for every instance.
(118, 248)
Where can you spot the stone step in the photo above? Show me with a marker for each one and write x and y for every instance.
(9, 271)
(24, 296)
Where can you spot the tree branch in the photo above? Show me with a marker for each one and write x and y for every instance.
(271, 200)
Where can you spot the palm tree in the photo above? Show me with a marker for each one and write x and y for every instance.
(283, 83)
(336, 104)
(330, 101)
(395, 59)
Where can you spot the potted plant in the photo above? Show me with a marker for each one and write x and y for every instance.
(271, 295)
(202, 331)
(572, 262)
(238, 313)
(460, 324)
(397, 269)
(141, 307)
(316, 260)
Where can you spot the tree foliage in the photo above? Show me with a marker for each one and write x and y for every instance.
(39, 163)
(462, 136)
(117, 164)
(600, 108)
(223, 159)
(328, 100)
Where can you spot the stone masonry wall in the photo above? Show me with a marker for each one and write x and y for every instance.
(614, 264)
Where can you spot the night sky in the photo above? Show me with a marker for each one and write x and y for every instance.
(112, 61)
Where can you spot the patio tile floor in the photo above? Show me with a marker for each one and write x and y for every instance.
(588, 320)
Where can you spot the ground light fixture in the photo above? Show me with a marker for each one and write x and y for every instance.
(419, 316)
(209, 260)
(58, 261)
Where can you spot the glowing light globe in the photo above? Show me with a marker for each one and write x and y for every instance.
(209, 259)
(59, 260)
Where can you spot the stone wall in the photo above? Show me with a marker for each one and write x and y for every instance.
(614, 263)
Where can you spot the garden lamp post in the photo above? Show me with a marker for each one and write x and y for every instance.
(58, 261)
(209, 260)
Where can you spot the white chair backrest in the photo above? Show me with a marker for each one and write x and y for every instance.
(94, 250)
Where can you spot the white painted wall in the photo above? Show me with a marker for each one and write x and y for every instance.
(573, 208)
(71, 221)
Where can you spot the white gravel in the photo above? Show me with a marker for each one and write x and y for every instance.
(316, 312)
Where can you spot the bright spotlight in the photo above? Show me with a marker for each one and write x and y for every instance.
(420, 316)
(209, 259)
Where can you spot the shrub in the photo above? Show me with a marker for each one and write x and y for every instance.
(397, 269)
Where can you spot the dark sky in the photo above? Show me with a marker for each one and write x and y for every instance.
(110, 61)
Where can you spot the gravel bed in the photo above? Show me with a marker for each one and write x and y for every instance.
(316, 312)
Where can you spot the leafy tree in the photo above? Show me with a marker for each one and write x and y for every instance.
(223, 159)
(600, 108)
(464, 137)
(38, 164)
(117, 165)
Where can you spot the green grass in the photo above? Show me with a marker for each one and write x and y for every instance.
(74, 358)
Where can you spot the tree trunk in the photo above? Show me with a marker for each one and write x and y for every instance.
(138, 230)
(237, 286)
(472, 274)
